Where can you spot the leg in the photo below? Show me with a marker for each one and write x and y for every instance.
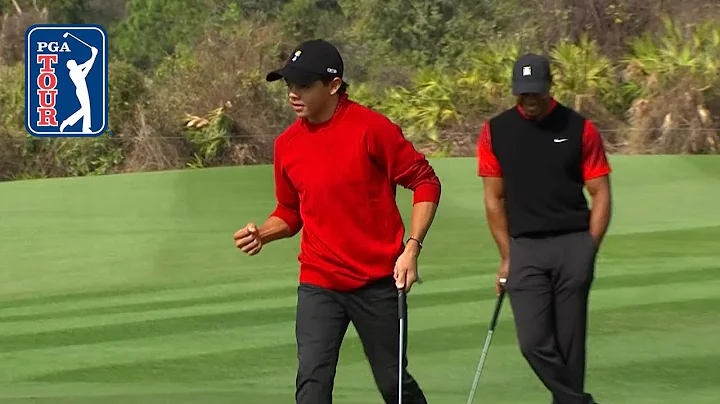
(321, 323)
(374, 312)
(87, 115)
(87, 120)
(71, 120)
(573, 280)
(530, 289)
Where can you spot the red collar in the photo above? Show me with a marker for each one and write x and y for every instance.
(553, 104)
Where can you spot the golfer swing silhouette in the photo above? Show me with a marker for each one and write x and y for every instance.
(78, 73)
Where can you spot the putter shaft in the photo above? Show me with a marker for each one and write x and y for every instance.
(402, 313)
(486, 346)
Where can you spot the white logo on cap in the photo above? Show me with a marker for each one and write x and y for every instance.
(297, 55)
(527, 71)
(331, 70)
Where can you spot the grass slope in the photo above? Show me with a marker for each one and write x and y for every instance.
(128, 289)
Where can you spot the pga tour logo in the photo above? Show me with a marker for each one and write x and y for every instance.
(66, 86)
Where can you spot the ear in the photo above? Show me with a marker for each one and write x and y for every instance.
(335, 85)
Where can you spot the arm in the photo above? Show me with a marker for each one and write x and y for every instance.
(285, 221)
(85, 67)
(494, 191)
(423, 214)
(273, 229)
(596, 174)
(495, 214)
(404, 165)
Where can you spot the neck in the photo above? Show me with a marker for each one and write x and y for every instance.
(327, 112)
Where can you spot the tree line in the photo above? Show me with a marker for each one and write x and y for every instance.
(187, 89)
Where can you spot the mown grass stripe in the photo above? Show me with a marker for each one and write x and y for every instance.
(126, 326)
(148, 292)
(604, 327)
(99, 392)
(268, 311)
(471, 334)
(452, 378)
(229, 295)
(241, 363)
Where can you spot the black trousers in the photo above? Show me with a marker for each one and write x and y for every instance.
(548, 287)
(322, 319)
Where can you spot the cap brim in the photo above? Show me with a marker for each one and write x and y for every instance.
(293, 75)
(531, 87)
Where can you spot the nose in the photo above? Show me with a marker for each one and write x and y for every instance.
(293, 93)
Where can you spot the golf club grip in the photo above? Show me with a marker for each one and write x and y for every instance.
(498, 305)
(402, 309)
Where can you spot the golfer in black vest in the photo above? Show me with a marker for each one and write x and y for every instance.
(535, 159)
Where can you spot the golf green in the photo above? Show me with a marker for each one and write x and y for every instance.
(128, 289)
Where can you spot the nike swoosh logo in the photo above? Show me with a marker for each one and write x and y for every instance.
(556, 140)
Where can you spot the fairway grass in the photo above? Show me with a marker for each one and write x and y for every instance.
(128, 289)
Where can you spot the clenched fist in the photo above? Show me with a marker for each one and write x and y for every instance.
(248, 239)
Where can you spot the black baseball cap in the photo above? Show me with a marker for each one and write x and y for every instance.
(311, 61)
(531, 75)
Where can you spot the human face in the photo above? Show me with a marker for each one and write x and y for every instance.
(535, 106)
(313, 102)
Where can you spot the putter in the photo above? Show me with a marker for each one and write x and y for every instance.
(488, 339)
(402, 315)
(65, 35)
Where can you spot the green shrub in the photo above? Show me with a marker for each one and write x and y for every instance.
(673, 80)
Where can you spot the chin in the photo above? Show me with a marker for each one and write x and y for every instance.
(301, 113)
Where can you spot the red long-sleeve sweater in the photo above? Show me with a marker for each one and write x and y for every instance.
(336, 181)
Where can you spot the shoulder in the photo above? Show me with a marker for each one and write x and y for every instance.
(373, 123)
(580, 122)
(373, 119)
(591, 135)
(511, 112)
(286, 137)
(288, 134)
(495, 127)
(507, 115)
(571, 115)
(499, 123)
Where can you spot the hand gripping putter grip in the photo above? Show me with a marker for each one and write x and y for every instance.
(488, 339)
(402, 312)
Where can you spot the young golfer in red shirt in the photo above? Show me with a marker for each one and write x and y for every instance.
(336, 171)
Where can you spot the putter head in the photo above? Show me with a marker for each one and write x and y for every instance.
(65, 35)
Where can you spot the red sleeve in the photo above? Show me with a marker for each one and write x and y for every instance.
(288, 199)
(403, 164)
(488, 164)
(594, 159)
